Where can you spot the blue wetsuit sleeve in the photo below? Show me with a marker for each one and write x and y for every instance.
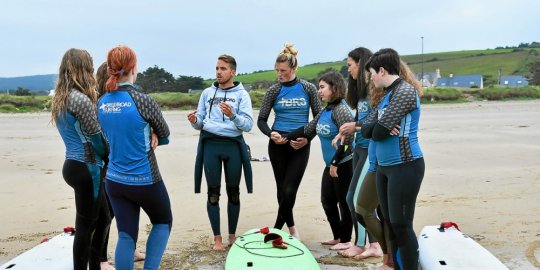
(267, 104)
(84, 111)
(368, 124)
(402, 102)
(150, 111)
(243, 119)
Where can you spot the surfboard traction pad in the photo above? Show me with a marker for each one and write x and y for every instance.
(250, 252)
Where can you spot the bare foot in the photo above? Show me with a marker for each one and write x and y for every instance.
(138, 256)
(294, 232)
(352, 251)
(106, 266)
(341, 246)
(372, 251)
(388, 263)
(384, 267)
(218, 243)
(331, 242)
(232, 239)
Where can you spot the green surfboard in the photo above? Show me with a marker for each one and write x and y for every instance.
(250, 252)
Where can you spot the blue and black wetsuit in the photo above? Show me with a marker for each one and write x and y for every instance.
(221, 145)
(128, 118)
(86, 148)
(291, 102)
(401, 166)
(333, 191)
(360, 154)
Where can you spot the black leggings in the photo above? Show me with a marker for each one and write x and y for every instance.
(334, 202)
(104, 255)
(289, 166)
(92, 221)
(224, 154)
(398, 187)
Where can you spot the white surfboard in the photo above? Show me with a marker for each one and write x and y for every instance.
(451, 249)
(56, 253)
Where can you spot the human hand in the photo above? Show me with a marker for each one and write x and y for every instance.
(192, 117)
(154, 141)
(347, 128)
(277, 138)
(226, 109)
(298, 143)
(333, 171)
(339, 138)
(395, 130)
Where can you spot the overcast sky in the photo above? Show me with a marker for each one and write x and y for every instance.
(185, 37)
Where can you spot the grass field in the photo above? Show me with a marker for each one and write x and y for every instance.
(485, 62)
(184, 101)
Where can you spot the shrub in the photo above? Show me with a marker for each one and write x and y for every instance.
(441, 94)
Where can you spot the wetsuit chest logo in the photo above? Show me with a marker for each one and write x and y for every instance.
(363, 107)
(292, 102)
(114, 107)
(323, 129)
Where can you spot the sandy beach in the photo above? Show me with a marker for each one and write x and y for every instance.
(482, 172)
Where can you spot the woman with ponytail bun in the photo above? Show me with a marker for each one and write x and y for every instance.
(291, 99)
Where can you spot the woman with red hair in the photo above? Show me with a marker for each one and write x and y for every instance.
(129, 117)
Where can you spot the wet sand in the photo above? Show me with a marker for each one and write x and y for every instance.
(482, 172)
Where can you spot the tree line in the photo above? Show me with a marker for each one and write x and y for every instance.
(155, 79)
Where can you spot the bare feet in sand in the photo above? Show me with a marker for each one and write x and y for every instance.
(331, 242)
(388, 263)
(106, 266)
(139, 256)
(218, 243)
(352, 251)
(294, 232)
(232, 239)
(374, 250)
(341, 246)
(384, 267)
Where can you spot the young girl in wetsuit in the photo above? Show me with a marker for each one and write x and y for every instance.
(337, 174)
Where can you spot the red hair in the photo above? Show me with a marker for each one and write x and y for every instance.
(120, 61)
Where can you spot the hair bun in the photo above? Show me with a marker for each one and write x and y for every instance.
(290, 49)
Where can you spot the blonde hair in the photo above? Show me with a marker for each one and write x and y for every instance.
(76, 72)
(288, 55)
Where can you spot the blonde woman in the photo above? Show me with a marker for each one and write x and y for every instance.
(291, 99)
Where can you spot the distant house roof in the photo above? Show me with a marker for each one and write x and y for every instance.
(513, 80)
(465, 81)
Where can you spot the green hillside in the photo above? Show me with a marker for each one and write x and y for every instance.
(485, 62)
